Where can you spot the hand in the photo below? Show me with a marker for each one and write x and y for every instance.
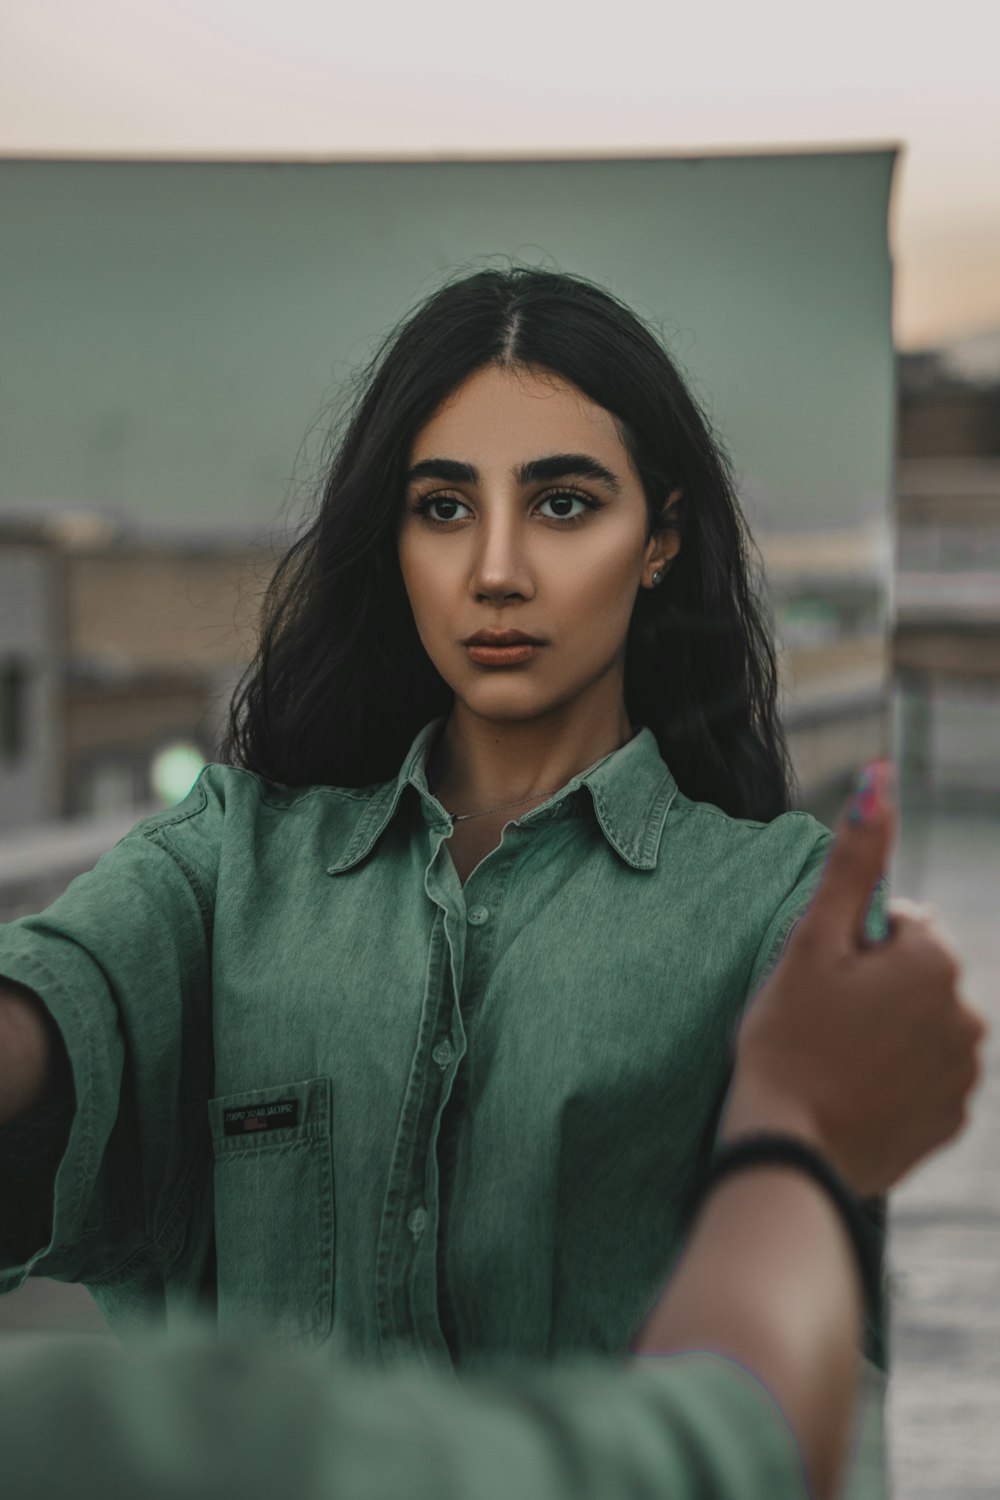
(867, 1050)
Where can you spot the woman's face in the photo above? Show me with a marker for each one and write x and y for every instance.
(522, 512)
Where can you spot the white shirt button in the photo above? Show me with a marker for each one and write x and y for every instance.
(477, 916)
(417, 1222)
(443, 1053)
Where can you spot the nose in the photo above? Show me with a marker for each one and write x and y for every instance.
(500, 563)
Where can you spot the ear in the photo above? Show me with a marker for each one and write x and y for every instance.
(672, 512)
(665, 542)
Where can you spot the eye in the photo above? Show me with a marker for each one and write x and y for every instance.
(569, 497)
(423, 508)
(439, 510)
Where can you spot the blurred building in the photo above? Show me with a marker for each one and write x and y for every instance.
(118, 653)
(946, 647)
(157, 633)
(830, 596)
(31, 659)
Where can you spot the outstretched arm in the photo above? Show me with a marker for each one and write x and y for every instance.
(214, 1421)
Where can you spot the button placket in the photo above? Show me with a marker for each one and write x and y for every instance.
(483, 920)
(404, 1233)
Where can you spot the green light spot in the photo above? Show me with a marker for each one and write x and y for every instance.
(174, 772)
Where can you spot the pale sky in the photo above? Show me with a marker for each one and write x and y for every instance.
(393, 79)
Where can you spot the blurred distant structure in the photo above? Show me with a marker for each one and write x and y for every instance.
(115, 647)
(828, 591)
(157, 633)
(30, 676)
(946, 647)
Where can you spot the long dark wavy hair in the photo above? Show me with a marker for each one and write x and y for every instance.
(341, 683)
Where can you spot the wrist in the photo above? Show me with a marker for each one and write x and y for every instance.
(766, 1150)
(756, 1108)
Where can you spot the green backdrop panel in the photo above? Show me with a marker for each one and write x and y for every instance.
(171, 330)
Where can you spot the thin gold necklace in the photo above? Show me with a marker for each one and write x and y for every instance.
(535, 796)
(461, 817)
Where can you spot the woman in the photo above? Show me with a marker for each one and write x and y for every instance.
(411, 1026)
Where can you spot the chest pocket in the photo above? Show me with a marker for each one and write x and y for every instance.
(274, 1210)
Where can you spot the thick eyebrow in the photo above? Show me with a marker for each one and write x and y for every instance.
(535, 471)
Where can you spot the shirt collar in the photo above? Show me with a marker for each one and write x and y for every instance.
(631, 790)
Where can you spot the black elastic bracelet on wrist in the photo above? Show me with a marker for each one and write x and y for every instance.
(788, 1150)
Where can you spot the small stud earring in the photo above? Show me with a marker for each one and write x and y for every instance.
(657, 577)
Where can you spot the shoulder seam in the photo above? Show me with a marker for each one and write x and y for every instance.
(157, 835)
(205, 905)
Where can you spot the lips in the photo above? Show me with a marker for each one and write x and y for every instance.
(496, 638)
(512, 654)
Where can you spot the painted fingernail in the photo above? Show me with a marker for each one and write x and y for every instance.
(873, 792)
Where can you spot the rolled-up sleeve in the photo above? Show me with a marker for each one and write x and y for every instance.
(121, 961)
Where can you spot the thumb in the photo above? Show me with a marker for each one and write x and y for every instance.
(866, 833)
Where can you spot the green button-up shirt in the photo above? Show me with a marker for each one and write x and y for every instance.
(321, 1082)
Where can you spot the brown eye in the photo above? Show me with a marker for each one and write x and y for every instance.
(423, 508)
(565, 498)
(449, 509)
